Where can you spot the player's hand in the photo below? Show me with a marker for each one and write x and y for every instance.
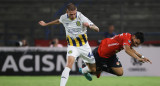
(42, 23)
(147, 60)
(86, 24)
(141, 60)
(144, 60)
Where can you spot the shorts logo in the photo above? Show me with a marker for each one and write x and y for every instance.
(117, 63)
(69, 52)
(78, 23)
(90, 55)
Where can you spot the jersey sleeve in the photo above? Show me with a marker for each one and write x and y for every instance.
(85, 19)
(61, 18)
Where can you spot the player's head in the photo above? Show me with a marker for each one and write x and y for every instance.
(137, 39)
(71, 11)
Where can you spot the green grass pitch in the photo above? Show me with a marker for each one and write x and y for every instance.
(78, 81)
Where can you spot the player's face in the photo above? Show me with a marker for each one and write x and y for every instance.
(72, 14)
(111, 28)
(135, 42)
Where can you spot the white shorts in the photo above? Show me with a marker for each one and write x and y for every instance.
(84, 52)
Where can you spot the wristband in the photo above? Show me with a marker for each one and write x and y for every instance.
(142, 56)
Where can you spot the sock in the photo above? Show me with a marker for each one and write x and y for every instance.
(85, 69)
(64, 76)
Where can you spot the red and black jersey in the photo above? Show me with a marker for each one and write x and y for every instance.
(110, 46)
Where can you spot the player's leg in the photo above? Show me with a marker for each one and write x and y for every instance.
(95, 69)
(65, 73)
(86, 72)
(113, 66)
(114, 70)
(92, 67)
(88, 58)
(117, 71)
(99, 63)
(71, 56)
(89, 68)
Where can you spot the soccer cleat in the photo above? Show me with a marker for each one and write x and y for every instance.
(98, 75)
(87, 75)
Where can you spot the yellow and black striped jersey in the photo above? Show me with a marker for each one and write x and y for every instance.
(75, 31)
(78, 41)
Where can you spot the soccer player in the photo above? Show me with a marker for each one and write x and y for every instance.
(76, 25)
(105, 54)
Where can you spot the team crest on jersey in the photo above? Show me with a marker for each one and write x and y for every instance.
(69, 52)
(78, 23)
(129, 41)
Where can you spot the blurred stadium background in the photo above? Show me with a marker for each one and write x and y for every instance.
(19, 20)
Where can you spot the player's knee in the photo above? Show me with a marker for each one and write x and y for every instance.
(93, 70)
(70, 61)
(69, 65)
(120, 74)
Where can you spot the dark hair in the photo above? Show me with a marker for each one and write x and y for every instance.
(140, 36)
(71, 7)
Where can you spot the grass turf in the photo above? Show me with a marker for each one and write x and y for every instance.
(78, 81)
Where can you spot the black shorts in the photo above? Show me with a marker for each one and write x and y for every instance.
(106, 62)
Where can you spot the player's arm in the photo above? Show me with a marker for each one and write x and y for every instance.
(42, 23)
(92, 27)
(130, 52)
(88, 23)
(141, 56)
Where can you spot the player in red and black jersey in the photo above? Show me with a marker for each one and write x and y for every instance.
(105, 54)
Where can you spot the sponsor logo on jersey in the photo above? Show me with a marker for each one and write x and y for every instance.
(67, 24)
(129, 41)
(113, 44)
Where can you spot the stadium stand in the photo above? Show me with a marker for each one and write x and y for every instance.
(19, 18)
